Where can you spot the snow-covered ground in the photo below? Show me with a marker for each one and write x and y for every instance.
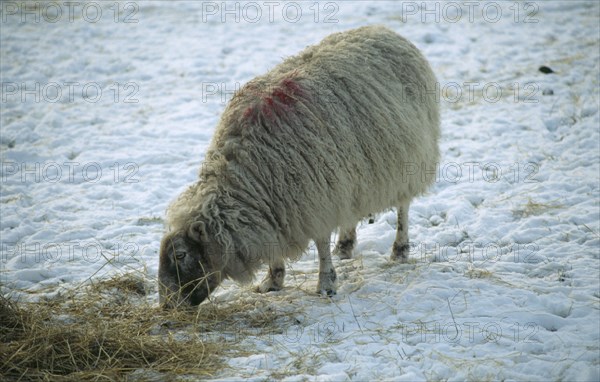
(107, 109)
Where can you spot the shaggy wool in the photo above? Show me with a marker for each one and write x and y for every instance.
(345, 128)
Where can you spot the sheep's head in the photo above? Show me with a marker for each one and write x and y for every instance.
(187, 273)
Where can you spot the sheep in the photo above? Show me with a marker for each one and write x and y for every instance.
(315, 145)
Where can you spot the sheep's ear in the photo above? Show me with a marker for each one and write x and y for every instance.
(197, 231)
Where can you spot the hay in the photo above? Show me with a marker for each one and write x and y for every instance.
(105, 331)
(111, 330)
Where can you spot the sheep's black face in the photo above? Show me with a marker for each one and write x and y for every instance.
(185, 275)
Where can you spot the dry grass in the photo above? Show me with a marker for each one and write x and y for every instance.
(108, 330)
(534, 208)
(478, 273)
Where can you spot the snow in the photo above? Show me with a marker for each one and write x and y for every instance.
(504, 278)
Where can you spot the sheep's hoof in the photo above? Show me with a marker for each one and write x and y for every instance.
(267, 286)
(400, 253)
(326, 292)
(399, 259)
(258, 289)
(345, 256)
(342, 254)
(326, 285)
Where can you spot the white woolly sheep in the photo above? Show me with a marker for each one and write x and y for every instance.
(316, 144)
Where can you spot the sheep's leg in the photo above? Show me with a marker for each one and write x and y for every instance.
(274, 279)
(345, 244)
(401, 247)
(327, 275)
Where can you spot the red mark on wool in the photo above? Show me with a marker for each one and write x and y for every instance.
(283, 97)
(276, 101)
(267, 112)
(291, 85)
(249, 112)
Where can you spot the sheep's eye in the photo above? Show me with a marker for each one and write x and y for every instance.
(180, 255)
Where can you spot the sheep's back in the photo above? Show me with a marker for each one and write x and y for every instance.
(327, 136)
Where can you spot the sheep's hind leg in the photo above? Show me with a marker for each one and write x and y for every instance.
(345, 244)
(274, 279)
(327, 275)
(401, 247)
